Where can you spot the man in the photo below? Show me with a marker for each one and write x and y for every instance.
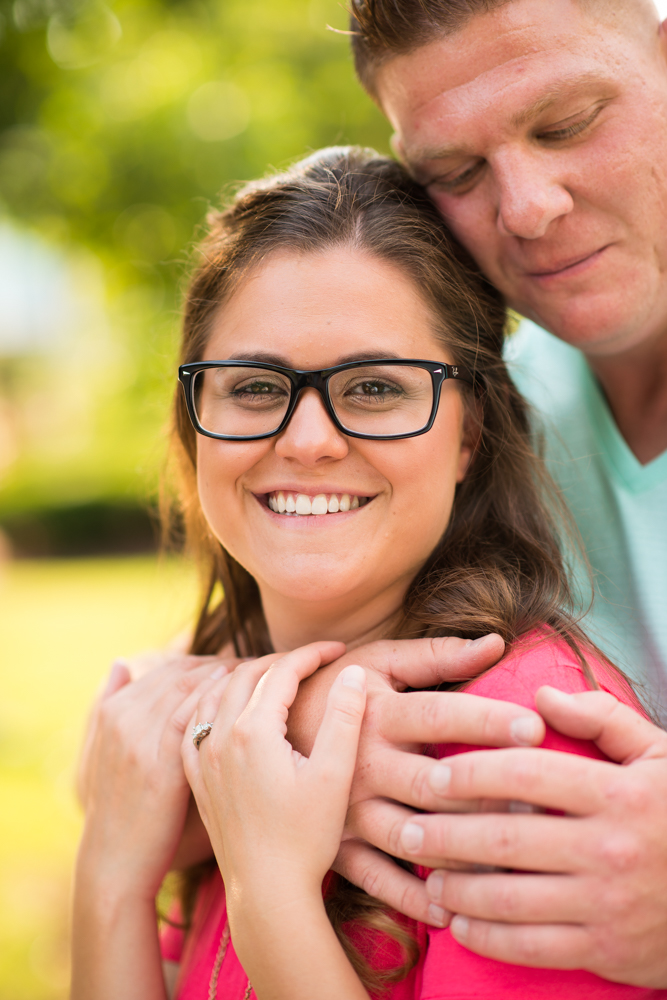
(540, 130)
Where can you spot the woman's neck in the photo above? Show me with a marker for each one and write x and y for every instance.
(292, 624)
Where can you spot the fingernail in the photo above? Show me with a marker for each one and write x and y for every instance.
(437, 915)
(412, 837)
(354, 677)
(525, 730)
(218, 673)
(440, 778)
(459, 927)
(435, 885)
(477, 642)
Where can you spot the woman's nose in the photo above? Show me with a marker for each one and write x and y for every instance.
(311, 436)
(531, 196)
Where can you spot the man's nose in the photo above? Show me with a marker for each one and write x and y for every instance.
(311, 436)
(530, 193)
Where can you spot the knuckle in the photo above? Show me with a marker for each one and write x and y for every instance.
(419, 789)
(503, 843)
(619, 851)
(505, 902)
(528, 946)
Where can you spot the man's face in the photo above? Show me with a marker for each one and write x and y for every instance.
(541, 134)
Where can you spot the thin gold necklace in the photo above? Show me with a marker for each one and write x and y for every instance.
(217, 965)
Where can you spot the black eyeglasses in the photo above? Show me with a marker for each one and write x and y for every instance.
(247, 400)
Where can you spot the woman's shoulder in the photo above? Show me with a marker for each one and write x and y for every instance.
(543, 657)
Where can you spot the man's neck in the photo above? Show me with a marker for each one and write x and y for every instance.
(635, 385)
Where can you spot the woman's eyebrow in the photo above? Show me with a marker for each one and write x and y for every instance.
(267, 358)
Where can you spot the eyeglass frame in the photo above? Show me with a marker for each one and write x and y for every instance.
(318, 379)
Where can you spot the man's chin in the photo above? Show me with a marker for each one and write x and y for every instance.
(594, 327)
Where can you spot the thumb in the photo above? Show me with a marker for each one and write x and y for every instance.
(336, 743)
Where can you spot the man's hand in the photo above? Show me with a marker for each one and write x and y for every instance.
(390, 762)
(596, 898)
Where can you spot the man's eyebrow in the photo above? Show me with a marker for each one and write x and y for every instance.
(565, 88)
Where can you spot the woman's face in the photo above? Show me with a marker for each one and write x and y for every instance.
(312, 312)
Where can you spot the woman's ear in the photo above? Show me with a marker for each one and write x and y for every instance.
(470, 437)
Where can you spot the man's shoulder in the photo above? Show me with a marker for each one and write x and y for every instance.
(552, 375)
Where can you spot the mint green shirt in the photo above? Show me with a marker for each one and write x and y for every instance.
(619, 505)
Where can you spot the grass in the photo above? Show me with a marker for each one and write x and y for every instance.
(61, 625)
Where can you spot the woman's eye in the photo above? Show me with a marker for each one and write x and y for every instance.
(257, 389)
(374, 388)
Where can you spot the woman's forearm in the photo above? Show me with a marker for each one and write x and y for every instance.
(289, 949)
(116, 951)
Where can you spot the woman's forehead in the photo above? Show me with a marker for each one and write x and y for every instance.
(313, 309)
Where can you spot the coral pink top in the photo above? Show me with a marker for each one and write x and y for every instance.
(446, 970)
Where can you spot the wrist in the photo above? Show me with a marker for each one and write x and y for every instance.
(113, 880)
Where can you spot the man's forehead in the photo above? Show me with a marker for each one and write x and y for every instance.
(515, 71)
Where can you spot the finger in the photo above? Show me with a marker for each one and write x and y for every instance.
(514, 898)
(383, 879)
(620, 732)
(205, 710)
(276, 693)
(543, 946)
(119, 676)
(455, 717)
(238, 689)
(218, 681)
(526, 842)
(425, 662)
(548, 778)
(334, 753)
(416, 781)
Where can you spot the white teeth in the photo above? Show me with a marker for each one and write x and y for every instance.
(323, 503)
(319, 504)
(303, 504)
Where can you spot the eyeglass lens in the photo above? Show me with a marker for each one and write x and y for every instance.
(379, 400)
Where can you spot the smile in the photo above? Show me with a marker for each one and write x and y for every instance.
(569, 269)
(302, 505)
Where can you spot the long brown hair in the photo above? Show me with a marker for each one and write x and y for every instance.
(498, 567)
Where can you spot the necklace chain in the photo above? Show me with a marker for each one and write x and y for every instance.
(217, 965)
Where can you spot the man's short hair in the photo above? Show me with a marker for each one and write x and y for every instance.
(381, 29)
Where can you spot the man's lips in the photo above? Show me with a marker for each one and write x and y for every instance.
(567, 268)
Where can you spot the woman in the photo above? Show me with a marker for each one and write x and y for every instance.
(356, 464)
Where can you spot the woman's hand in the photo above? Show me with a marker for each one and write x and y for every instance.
(135, 789)
(271, 812)
(275, 819)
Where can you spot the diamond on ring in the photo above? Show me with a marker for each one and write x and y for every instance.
(200, 732)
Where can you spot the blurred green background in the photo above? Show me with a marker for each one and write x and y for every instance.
(120, 125)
